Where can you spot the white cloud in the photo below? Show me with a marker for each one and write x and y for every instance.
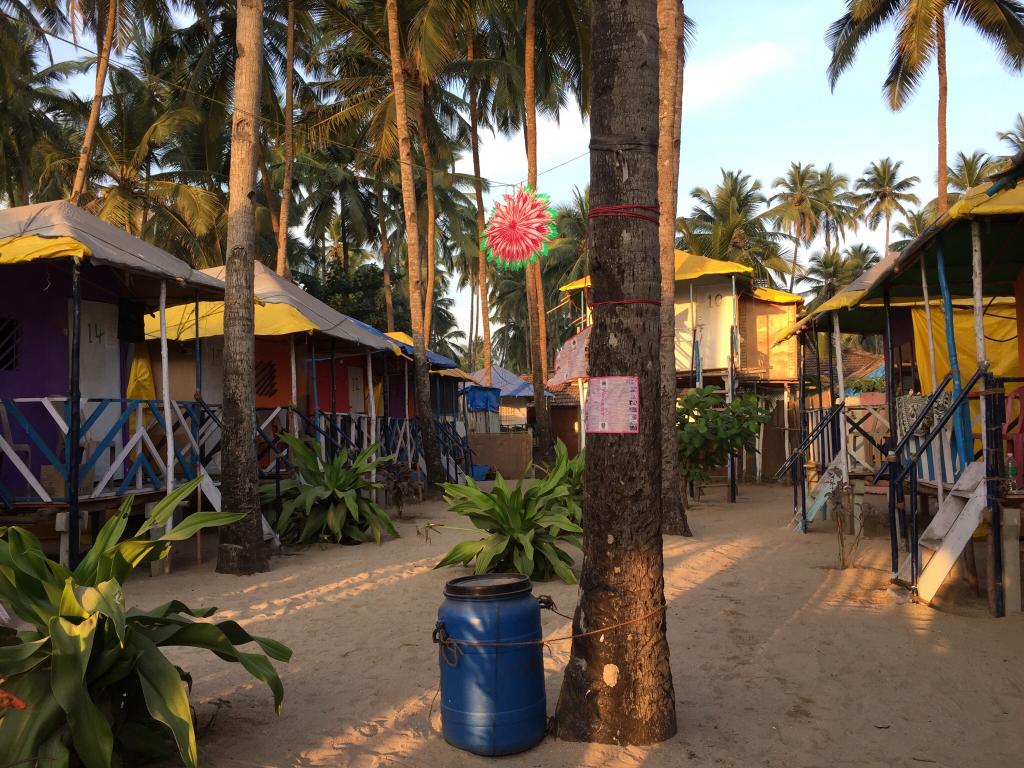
(722, 75)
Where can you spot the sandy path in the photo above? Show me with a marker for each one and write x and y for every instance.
(779, 660)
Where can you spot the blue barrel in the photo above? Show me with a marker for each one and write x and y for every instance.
(492, 696)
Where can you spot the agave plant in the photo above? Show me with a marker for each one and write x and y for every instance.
(525, 527)
(97, 687)
(329, 500)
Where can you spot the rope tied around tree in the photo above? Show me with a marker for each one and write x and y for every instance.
(451, 649)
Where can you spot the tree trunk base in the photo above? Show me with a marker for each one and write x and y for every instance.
(674, 521)
(234, 559)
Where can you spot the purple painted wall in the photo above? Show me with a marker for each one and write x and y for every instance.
(37, 294)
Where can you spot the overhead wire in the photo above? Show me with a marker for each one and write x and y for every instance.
(111, 62)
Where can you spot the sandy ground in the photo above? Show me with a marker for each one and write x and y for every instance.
(778, 658)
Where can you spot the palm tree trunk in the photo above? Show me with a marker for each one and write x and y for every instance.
(424, 409)
(535, 297)
(345, 258)
(888, 219)
(940, 55)
(617, 686)
(283, 268)
(670, 93)
(428, 165)
(792, 273)
(241, 547)
(478, 188)
(82, 172)
(268, 191)
(385, 255)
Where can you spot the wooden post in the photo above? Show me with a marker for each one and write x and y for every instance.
(785, 417)
(334, 432)
(841, 394)
(197, 429)
(165, 383)
(75, 417)
(979, 318)
(694, 376)
(731, 391)
(892, 458)
(295, 387)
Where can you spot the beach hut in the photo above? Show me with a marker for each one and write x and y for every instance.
(75, 436)
(960, 282)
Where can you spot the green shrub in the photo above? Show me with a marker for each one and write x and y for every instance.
(329, 499)
(99, 690)
(573, 472)
(525, 527)
(709, 429)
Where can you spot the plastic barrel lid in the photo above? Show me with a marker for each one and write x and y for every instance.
(488, 585)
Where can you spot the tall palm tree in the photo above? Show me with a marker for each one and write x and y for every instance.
(732, 223)
(108, 21)
(424, 410)
(241, 544)
(882, 192)
(797, 208)
(921, 37)
(289, 146)
(838, 207)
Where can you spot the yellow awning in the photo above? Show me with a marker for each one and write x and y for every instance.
(977, 203)
(24, 248)
(270, 320)
(777, 297)
(401, 336)
(454, 373)
(689, 266)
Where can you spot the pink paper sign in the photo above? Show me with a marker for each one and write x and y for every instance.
(613, 405)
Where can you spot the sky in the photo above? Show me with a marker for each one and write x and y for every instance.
(756, 98)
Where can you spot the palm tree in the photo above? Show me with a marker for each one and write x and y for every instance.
(107, 21)
(915, 224)
(797, 208)
(881, 193)
(1014, 138)
(289, 146)
(969, 171)
(830, 271)
(920, 37)
(241, 544)
(732, 223)
(605, 696)
(424, 410)
(838, 208)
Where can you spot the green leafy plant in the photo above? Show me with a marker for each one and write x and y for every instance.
(525, 526)
(709, 429)
(573, 474)
(329, 499)
(866, 385)
(99, 690)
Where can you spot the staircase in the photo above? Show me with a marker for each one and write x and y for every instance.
(944, 539)
(830, 479)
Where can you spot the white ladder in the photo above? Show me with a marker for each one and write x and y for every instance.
(949, 532)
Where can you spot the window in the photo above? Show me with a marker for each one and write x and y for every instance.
(10, 343)
(266, 378)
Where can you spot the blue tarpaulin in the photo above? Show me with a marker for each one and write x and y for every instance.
(482, 398)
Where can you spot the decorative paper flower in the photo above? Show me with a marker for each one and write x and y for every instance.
(519, 230)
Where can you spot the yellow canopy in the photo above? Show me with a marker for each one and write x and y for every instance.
(777, 297)
(689, 266)
(270, 320)
(401, 336)
(453, 373)
(977, 203)
(22, 248)
(1000, 339)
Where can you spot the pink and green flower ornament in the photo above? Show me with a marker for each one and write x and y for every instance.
(521, 226)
